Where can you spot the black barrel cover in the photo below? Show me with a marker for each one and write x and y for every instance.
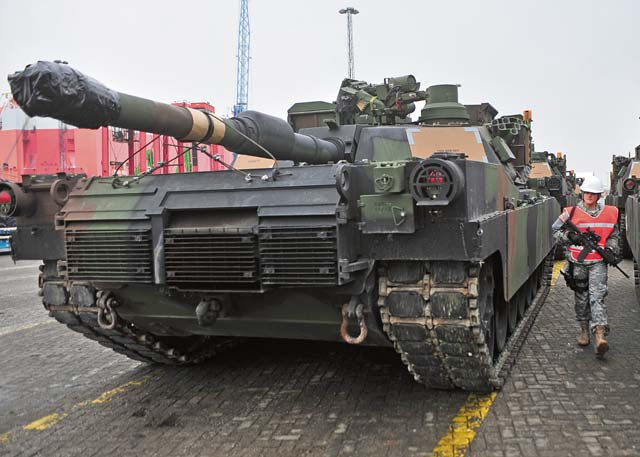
(55, 89)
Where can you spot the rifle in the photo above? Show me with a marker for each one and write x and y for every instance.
(589, 240)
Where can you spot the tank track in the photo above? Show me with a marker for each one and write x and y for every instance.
(559, 252)
(127, 339)
(434, 323)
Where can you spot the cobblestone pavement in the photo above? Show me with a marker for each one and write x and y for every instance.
(263, 398)
(560, 400)
(278, 398)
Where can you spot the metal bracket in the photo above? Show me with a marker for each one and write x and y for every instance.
(351, 310)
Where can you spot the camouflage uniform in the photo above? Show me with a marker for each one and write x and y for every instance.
(590, 276)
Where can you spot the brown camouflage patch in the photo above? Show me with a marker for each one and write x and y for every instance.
(425, 141)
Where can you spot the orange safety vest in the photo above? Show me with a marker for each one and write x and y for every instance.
(602, 225)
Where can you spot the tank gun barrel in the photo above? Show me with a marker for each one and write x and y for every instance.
(52, 89)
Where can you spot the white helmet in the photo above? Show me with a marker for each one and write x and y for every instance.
(592, 185)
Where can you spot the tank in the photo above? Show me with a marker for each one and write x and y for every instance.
(549, 175)
(623, 185)
(364, 228)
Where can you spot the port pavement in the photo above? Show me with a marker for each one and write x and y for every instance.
(64, 395)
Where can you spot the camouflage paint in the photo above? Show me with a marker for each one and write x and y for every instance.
(529, 241)
(632, 214)
(540, 170)
(385, 149)
(528, 236)
(425, 141)
(243, 162)
(498, 187)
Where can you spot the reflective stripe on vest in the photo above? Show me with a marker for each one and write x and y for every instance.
(602, 225)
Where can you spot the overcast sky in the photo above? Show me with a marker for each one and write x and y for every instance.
(576, 64)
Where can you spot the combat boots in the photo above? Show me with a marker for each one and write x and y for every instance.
(601, 343)
(583, 338)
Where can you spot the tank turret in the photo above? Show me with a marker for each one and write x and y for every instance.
(53, 89)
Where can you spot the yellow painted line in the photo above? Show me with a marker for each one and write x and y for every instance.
(557, 266)
(52, 419)
(107, 396)
(45, 422)
(463, 427)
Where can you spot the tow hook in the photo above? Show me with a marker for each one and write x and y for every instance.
(107, 317)
(351, 310)
(207, 312)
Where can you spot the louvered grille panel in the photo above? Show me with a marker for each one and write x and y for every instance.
(298, 256)
(209, 260)
(109, 255)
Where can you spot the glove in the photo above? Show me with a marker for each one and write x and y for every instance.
(611, 257)
(574, 238)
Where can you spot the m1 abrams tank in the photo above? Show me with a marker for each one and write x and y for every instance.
(549, 176)
(624, 170)
(368, 229)
(625, 187)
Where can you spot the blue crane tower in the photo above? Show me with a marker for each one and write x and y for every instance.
(242, 70)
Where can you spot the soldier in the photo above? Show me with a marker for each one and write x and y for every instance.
(587, 274)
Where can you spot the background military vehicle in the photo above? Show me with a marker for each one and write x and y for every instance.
(625, 183)
(549, 176)
(624, 169)
(367, 228)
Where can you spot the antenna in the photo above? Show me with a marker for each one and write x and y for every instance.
(350, 11)
(242, 71)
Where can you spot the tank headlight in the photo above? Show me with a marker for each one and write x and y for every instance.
(629, 184)
(436, 182)
(14, 201)
(5, 198)
(7, 201)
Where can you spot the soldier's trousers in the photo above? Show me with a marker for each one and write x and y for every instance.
(590, 304)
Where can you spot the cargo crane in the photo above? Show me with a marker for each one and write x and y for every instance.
(242, 71)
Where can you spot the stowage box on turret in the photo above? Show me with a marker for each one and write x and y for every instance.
(368, 228)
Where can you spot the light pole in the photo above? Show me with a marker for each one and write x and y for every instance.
(350, 11)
